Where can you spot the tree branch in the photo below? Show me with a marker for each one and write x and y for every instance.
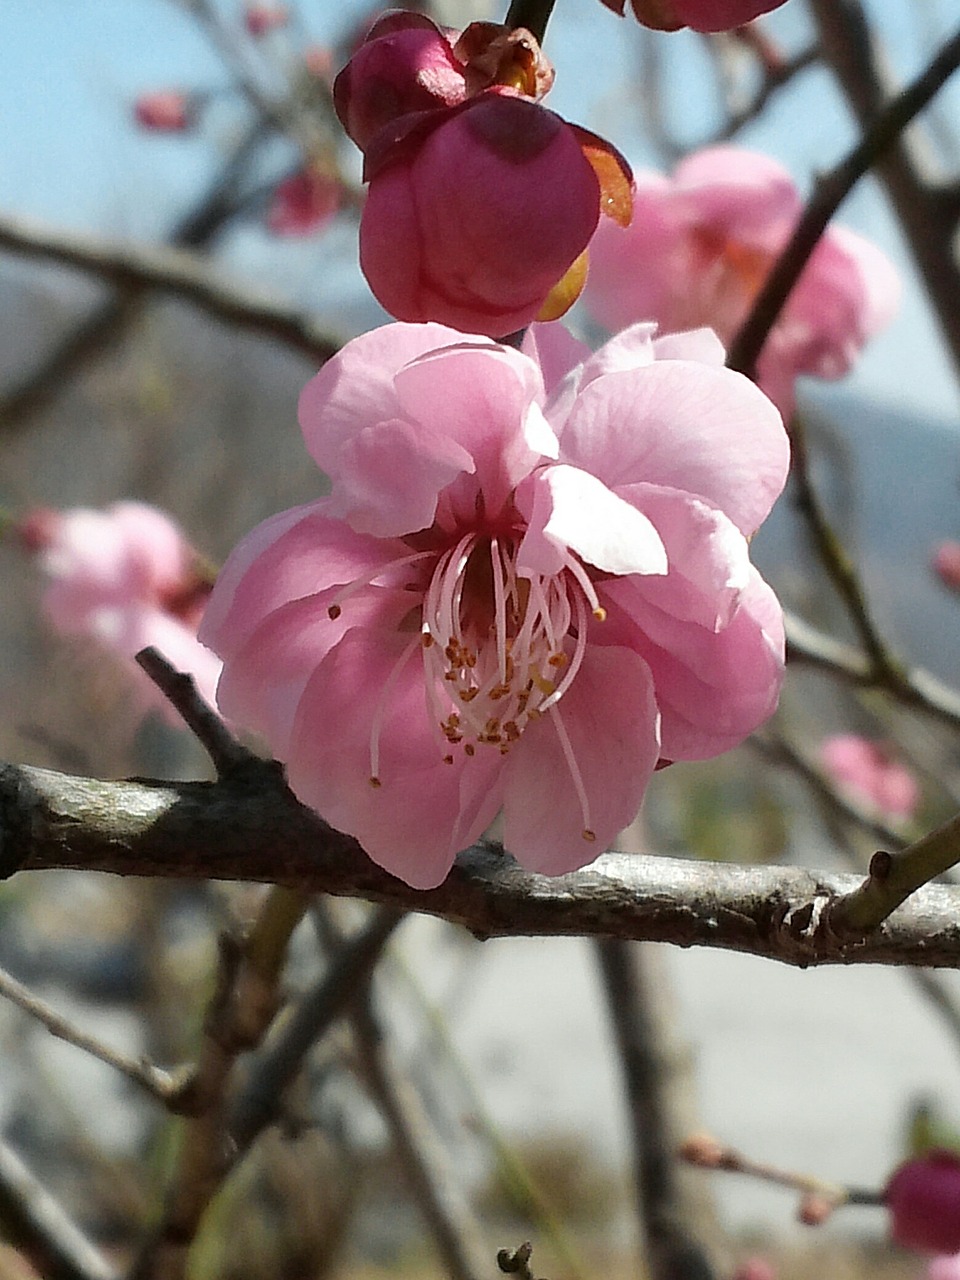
(248, 827)
(882, 133)
(139, 267)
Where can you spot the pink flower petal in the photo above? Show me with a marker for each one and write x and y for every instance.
(280, 561)
(411, 823)
(578, 511)
(685, 426)
(713, 688)
(610, 718)
(354, 389)
(708, 556)
(262, 684)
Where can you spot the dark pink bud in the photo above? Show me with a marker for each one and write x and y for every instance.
(474, 224)
(701, 15)
(166, 111)
(303, 203)
(946, 564)
(923, 1197)
(261, 19)
(405, 65)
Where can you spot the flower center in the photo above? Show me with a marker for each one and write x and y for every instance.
(501, 647)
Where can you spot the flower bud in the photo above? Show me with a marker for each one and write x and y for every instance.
(166, 111)
(261, 19)
(303, 204)
(923, 1197)
(405, 65)
(701, 15)
(475, 226)
(946, 564)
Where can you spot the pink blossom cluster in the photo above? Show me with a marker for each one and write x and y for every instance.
(701, 15)
(481, 202)
(871, 774)
(703, 242)
(125, 578)
(529, 586)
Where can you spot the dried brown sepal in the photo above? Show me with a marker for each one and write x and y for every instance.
(493, 54)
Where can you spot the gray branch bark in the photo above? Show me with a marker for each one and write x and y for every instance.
(248, 826)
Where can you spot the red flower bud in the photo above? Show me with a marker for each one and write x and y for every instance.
(303, 203)
(923, 1197)
(475, 226)
(701, 15)
(946, 564)
(260, 19)
(166, 111)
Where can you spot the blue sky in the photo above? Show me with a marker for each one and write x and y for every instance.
(71, 156)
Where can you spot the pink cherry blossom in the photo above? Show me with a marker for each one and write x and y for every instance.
(529, 585)
(944, 1267)
(303, 204)
(871, 774)
(701, 245)
(126, 578)
(701, 15)
(923, 1197)
(481, 202)
(165, 111)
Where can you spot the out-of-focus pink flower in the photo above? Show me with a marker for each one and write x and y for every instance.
(701, 15)
(755, 1269)
(529, 584)
(702, 244)
(871, 773)
(944, 1267)
(126, 578)
(481, 201)
(923, 1197)
(166, 111)
(946, 564)
(303, 204)
(261, 19)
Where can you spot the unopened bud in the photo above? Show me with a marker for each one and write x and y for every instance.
(815, 1209)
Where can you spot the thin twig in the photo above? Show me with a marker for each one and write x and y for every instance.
(159, 1084)
(195, 230)
(913, 688)
(437, 1187)
(774, 79)
(181, 691)
(34, 1219)
(837, 563)
(927, 221)
(671, 1250)
(174, 271)
(829, 192)
(258, 1105)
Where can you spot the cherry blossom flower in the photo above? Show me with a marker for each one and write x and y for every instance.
(126, 578)
(165, 111)
(529, 585)
(871, 774)
(923, 1197)
(701, 15)
(702, 244)
(481, 201)
(303, 204)
(944, 1267)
